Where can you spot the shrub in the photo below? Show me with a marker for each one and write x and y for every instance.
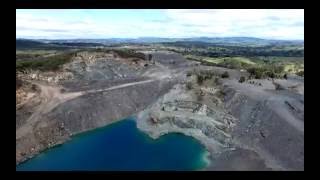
(252, 71)
(278, 69)
(242, 79)
(207, 74)
(129, 53)
(278, 86)
(271, 71)
(300, 73)
(225, 74)
(270, 74)
(204, 75)
(189, 85)
(258, 75)
(216, 81)
(62, 90)
(285, 76)
(33, 87)
(200, 79)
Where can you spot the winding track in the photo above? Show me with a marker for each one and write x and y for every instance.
(51, 97)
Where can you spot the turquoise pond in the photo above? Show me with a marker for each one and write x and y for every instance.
(120, 147)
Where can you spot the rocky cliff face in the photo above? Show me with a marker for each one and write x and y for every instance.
(178, 112)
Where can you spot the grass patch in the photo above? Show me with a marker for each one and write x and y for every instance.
(228, 62)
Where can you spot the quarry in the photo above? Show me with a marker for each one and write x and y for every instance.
(258, 121)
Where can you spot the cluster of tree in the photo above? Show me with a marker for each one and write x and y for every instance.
(128, 53)
(270, 71)
(124, 53)
(214, 50)
(46, 63)
(251, 51)
(204, 75)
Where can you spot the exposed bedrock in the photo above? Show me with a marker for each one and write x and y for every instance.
(272, 126)
(178, 112)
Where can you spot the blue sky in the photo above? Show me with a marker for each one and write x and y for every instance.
(122, 23)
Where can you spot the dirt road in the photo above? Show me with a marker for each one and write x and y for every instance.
(51, 97)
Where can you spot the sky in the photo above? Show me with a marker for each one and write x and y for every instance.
(171, 23)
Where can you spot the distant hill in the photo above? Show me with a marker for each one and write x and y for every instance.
(24, 44)
(242, 41)
(77, 44)
(43, 44)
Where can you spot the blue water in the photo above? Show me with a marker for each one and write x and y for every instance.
(120, 146)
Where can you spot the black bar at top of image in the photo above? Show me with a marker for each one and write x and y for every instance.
(100, 4)
(159, 4)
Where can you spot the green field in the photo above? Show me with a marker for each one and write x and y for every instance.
(258, 67)
(230, 62)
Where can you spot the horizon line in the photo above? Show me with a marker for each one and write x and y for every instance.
(35, 38)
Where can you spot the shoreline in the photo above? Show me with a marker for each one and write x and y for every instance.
(205, 155)
(212, 146)
(70, 138)
(206, 159)
(201, 164)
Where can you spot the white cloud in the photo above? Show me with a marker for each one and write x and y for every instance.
(235, 22)
(281, 24)
(32, 26)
